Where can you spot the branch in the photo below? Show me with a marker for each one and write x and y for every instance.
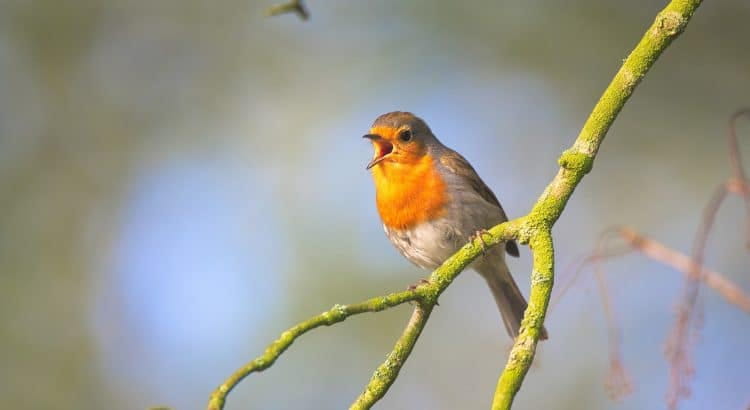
(575, 163)
(680, 262)
(739, 183)
(336, 314)
(387, 372)
(295, 6)
(658, 252)
(677, 349)
(533, 229)
(618, 383)
(522, 353)
(426, 297)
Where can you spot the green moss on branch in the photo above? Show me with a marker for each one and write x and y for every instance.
(575, 163)
(338, 313)
(387, 372)
(426, 297)
(534, 229)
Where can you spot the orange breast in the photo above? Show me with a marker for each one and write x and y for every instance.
(409, 193)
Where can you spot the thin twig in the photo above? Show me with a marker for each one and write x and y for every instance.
(677, 346)
(335, 315)
(727, 289)
(739, 184)
(618, 382)
(680, 338)
(387, 372)
(655, 250)
(577, 266)
(676, 349)
(295, 6)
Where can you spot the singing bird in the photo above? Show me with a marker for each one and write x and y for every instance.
(432, 202)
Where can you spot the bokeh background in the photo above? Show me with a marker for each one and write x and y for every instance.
(180, 181)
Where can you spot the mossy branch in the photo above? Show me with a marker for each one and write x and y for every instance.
(338, 313)
(574, 164)
(426, 297)
(534, 229)
(387, 372)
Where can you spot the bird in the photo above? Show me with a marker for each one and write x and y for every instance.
(431, 202)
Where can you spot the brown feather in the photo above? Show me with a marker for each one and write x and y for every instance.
(461, 167)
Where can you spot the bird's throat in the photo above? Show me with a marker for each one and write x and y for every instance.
(408, 194)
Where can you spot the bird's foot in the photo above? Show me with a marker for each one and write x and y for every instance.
(478, 235)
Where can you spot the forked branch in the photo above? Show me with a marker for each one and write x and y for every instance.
(533, 229)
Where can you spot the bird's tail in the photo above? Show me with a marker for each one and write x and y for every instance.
(508, 297)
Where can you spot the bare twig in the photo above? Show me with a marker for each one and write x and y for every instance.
(677, 346)
(379, 385)
(573, 271)
(727, 289)
(618, 383)
(294, 6)
(676, 349)
(739, 183)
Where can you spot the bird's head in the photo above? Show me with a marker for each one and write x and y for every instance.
(399, 138)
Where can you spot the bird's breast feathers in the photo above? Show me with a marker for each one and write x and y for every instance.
(409, 194)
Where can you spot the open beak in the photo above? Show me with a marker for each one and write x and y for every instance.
(382, 149)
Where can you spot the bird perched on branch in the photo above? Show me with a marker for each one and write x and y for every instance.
(432, 202)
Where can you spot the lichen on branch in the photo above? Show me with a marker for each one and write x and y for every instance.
(575, 163)
(534, 229)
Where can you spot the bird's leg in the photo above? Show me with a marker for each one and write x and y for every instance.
(478, 235)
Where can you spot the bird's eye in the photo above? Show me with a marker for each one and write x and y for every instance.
(405, 135)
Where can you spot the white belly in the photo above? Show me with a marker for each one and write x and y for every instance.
(429, 244)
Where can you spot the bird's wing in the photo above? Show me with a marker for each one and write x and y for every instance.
(458, 165)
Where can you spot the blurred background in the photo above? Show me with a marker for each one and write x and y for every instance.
(180, 181)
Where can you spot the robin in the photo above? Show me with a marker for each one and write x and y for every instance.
(432, 202)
